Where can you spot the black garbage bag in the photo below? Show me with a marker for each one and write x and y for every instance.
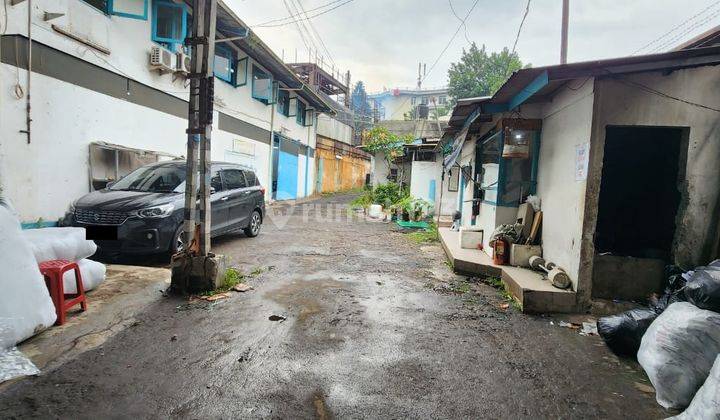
(623, 332)
(703, 287)
(674, 290)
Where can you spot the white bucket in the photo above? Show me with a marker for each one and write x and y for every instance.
(375, 210)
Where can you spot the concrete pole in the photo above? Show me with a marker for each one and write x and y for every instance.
(564, 32)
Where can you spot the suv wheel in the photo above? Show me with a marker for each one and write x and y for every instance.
(253, 228)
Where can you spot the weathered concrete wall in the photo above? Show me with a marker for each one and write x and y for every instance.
(566, 124)
(331, 128)
(616, 277)
(422, 174)
(340, 174)
(622, 102)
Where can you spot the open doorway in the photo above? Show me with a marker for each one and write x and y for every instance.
(643, 168)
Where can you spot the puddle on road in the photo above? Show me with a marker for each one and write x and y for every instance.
(305, 297)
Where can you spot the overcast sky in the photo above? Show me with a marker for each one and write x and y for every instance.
(382, 41)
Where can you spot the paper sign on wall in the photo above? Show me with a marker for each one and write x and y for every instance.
(582, 152)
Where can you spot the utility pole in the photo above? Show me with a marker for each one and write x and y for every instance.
(195, 268)
(564, 32)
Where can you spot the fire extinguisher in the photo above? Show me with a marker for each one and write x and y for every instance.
(500, 251)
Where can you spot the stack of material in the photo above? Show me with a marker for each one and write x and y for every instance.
(67, 243)
(25, 304)
(680, 345)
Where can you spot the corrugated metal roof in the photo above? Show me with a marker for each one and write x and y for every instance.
(558, 75)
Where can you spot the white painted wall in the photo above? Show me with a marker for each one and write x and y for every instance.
(333, 129)
(42, 178)
(421, 175)
(381, 170)
(567, 122)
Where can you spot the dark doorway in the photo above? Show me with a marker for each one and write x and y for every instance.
(639, 195)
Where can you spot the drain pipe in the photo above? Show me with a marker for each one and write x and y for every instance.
(28, 118)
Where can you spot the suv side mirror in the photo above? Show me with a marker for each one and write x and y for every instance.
(110, 184)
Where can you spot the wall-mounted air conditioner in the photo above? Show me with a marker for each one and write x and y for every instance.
(162, 59)
(183, 64)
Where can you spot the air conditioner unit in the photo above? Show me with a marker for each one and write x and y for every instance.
(162, 59)
(183, 64)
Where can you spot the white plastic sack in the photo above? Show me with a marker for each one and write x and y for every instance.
(678, 351)
(25, 304)
(706, 404)
(14, 364)
(92, 273)
(65, 243)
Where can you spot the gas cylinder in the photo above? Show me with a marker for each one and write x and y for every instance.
(501, 251)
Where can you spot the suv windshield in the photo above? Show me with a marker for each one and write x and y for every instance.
(159, 179)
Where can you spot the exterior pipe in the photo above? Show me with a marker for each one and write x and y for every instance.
(269, 188)
(28, 115)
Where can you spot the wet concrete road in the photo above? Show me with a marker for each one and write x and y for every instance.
(377, 327)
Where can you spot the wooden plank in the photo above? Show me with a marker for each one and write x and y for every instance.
(537, 220)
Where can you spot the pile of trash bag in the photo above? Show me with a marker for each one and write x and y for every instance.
(703, 287)
(623, 332)
(676, 340)
(707, 399)
(678, 351)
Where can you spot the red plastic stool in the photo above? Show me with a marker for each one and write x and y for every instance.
(53, 271)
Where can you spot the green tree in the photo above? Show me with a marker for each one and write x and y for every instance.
(479, 73)
(380, 140)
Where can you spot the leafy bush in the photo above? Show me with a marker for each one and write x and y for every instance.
(386, 195)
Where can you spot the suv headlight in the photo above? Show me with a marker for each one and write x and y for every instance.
(71, 207)
(156, 212)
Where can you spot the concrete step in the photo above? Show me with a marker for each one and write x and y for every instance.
(530, 288)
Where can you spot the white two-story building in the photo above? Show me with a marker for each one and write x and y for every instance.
(105, 91)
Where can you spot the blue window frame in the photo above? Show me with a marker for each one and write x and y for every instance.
(283, 103)
(134, 9)
(516, 177)
(225, 64)
(262, 85)
(275, 92)
(169, 23)
(241, 72)
(301, 113)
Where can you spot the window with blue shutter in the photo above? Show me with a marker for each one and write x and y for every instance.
(262, 85)
(169, 23)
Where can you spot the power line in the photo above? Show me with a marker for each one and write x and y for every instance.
(517, 37)
(662, 94)
(451, 40)
(677, 38)
(317, 34)
(676, 27)
(300, 30)
(308, 18)
(462, 22)
(452, 9)
(291, 16)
